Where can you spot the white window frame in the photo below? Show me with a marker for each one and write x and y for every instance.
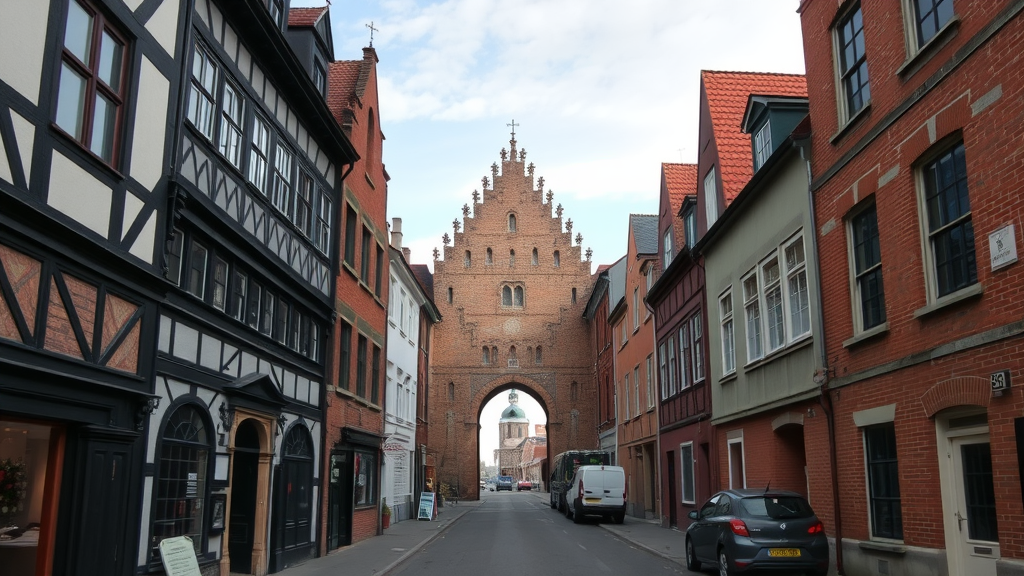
(663, 370)
(697, 348)
(636, 309)
(685, 355)
(232, 124)
(710, 197)
(725, 314)
(773, 320)
(649, 279)
(673, 367)
(687, 474)
(650, 382)
(636, 388)
(743, 464)
(762, 145)
(842, 104)
(788, 274)
(796, 272)
(666, 247)
(690, 223)
(914, 44)
(625, 387)
(752, 316)
(856, 292)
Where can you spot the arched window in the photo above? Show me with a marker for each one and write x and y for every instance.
(487, 355)
(557, 259)
(451, 391)
(490, 257)
(533, 258)
(297, 470)
(511, 222)
(468, 259)
(511, 258)
(371, 128)
(537, 358)
(449, 294)
(181, 482)
(494, 354)
(512, 353)
(506, 295)
(573, 295)
(518, 301)
(574, 391)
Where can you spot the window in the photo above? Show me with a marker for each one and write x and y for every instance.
(281, 318)
(883, 481)
(799, 315)
(239, 285)
(697, 331)
(403, 317)
(375, 375)
(710, 197)
(322, 226)
(220, 283)
(378, 281)
(371, 140)
(197, 270)
(90, 97)
(490, 257)
(467, 259)
(345, 356)
(451, 392)
(253, 305)
(350, 236)
(518, 297)
(685, 355)
(203, 90)
(181, 479)
(487, 355)
(686, 471)
(557, 259)
(666, 248)
(855, 92)
(364, 260)
(762, 145)
(303, 211)
(361, 366)
(776, 330)
(752, 312)
(690, 223)
(869, 294)
(649, 374)
(320, 78)
(636, 388)
(232, 115)
(929, 17)
(511, 222)
(572, 297)
(364, 484)
(625, 395)
(737, 473)
(267, 306)
(533, 257)
(511, 258)
(728, 333)
(281, 190)
(506, 295)
(259, 154)
(174, 257)
(673, 367)
(948, 220)
(574, 391)
(662, 371)
(538, 359)
(450, 295)
(636, 309)
(513, 359)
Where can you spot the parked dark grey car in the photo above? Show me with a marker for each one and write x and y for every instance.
(757, 530)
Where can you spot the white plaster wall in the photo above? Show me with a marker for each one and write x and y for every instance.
(25, 132)
(150, 126)
(78, 194)
(22, 30)
(163, 25)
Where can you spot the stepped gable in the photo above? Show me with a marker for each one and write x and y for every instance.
(512, 188)
(304, 17)
(727, 94)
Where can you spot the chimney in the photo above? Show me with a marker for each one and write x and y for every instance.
(396, 233)
(407, 252)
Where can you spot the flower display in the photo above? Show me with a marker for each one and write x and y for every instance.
(12, 488)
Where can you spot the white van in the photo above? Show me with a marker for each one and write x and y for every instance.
(597, 491)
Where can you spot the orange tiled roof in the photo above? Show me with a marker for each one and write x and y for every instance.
(680, 181)
(727, 94)
(305, 16)
(341, 85)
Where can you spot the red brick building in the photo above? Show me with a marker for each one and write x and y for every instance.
(354, 419)
(916, 163)
(608, 286)
(634, 374)
(512, 289)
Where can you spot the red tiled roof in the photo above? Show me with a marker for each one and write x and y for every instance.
(341, 85)
(425, 278)
(727, 94)
(305, 16)
(680, 181)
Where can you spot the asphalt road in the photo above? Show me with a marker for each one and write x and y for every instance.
(517, 534)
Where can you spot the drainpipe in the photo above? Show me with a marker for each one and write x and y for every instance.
(824, 399)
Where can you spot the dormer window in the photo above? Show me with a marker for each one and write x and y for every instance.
(320, 78)
(762, 145)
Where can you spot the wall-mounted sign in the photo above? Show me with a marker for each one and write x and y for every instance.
(1002, 246)
(1000, 381)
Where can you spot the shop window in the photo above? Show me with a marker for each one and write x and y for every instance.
(181, 482)
(365, 480)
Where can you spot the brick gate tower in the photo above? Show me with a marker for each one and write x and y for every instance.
(511, 289)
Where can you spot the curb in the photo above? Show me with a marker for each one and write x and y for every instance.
(642, 546)
(401, 559)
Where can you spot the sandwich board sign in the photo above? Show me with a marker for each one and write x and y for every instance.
(426, 506)
(179, 556)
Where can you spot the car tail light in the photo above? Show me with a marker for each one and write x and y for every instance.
(739, 528)
(816, 528)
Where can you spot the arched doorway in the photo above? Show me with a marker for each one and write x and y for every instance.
(512, 438)
(293, 489)
(244, 491)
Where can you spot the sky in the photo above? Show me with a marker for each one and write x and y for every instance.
(492, 412)
(601, 91)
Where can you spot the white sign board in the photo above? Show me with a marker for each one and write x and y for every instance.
(179, 556)
(1002, 246)
(426, 506)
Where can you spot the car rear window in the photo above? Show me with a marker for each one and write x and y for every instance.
(777, 507)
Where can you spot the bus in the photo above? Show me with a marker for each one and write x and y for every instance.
(564, 466)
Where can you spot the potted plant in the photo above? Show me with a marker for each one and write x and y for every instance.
(385, 515)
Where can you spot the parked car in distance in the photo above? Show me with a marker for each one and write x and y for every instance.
(524, 485)
(745, 530)
(503, 483)
(483, 484)
(597, 491)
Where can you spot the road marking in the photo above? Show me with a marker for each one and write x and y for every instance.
(581, 545)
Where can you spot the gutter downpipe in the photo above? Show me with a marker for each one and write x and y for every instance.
(824, 398)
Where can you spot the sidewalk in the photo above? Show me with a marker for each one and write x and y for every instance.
(381, 554)
(648, 535)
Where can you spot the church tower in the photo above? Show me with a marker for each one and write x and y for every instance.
(511, 287)
(513, 428)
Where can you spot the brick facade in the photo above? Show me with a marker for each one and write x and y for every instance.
(543, 309)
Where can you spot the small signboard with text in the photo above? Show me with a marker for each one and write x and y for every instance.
(426, 506)
(179, 556)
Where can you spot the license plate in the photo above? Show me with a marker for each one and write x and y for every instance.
(592, 500)
(784, 552)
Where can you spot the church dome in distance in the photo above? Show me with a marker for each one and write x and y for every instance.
(513, 413)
